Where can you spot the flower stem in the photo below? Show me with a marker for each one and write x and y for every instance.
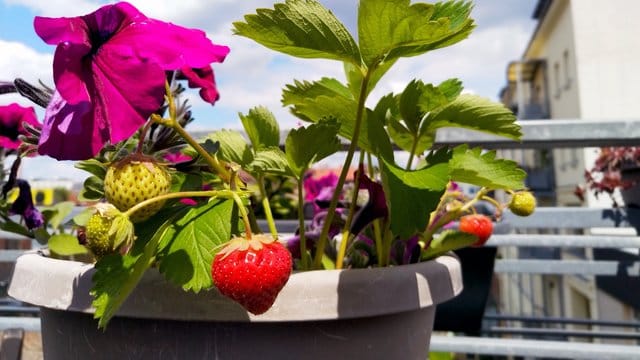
(362, 97)
(267, 208)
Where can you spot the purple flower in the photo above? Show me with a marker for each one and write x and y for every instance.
(376, 206)
(12, 118)
(204, 79)
(318, 191)
(24, 206)
(109, 68)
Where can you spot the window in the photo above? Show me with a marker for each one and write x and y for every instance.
(565, 64)
(556, 79)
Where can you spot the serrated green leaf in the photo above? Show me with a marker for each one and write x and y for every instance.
(389, 29)
(328, 99)
(301, 91)
(92, 189)
(92, 166)
(302, 28)
(451, 88)
(412, 196)
(471, 166)
(233, 146)
(270, 161)
(476, 113)
(446, 241)
(117, 275)
(306, 145)
(188, 245)
(261, 127)
(66, 245)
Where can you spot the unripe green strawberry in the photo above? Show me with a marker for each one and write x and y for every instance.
(252, 272)
(479, 225)
(107, 230)
(523, 203)
(134, 179)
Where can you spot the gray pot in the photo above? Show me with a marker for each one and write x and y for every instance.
(382, 313)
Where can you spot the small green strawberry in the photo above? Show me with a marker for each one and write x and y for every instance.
(523, 203)
(252, 272)
(107, 231)
(134, 179)
(479, 225)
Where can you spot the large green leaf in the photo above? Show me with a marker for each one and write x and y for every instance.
(329, 99)
(261, 127)
(66, 245)
(302, 28)
(188, 245)
(389, 29)
(306, 145)
(116, 276)
(471, 166)
(270, 161)
(233, 146)
(412, 196)
(477, 113)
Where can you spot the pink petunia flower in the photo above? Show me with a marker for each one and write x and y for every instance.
(112, 64)
(12, 118)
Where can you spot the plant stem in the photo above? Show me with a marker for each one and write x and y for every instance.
(143, 134)
(267, 207)
(243, 214)
(175, 195)
(303, 241)
(173, 123)
(362, 97)
(412, 154)
(346, 233)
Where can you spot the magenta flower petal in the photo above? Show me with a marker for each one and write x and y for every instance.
(204, 79)
(12, 118)
(196, 50)
(69, 131)
(111, 64)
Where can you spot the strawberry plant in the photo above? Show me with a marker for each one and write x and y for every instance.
(185, 205)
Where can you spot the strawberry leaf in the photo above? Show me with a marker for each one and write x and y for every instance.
(233, 146)
(261, 127)
(447, 241)
(65, 245)
(306, 145)
(302, 28)
(471, 166)
(412, 196)
(188, 244)
(389, 29)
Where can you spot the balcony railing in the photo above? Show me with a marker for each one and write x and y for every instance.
(546, 235)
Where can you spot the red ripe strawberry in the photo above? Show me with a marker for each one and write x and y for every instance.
(479, 225)
(252, 272)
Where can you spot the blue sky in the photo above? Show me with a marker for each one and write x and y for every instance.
(252, 75)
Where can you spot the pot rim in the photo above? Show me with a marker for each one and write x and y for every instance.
(310, 295)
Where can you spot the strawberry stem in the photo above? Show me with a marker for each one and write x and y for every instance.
(267, 207)
(181, 194)
(243, 214)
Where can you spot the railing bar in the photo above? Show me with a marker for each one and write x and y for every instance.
(566, 267)
(532, 348)
(561, 320)
(556, 241)
(563, 333)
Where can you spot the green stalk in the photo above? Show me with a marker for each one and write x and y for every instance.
(412, 154)
(303, 241)
(181, 194)
(362, 97)
(346, 234)
(267, 208)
